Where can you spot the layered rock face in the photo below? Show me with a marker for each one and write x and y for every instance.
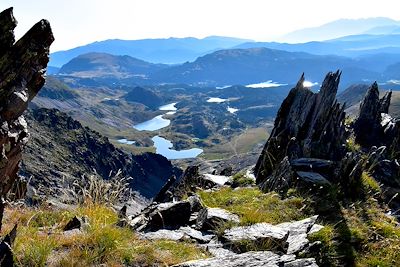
(383, 130)
(308, 125)
(22, 69)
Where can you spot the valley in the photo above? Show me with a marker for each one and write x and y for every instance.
(200, 152)
(182, 113)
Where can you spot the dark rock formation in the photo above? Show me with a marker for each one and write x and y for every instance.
(6, 253)
(308, 124)
(169, 215)
(22, 68)
(370, 118)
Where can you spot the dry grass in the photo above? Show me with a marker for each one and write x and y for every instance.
(93, 189)
(41, 242)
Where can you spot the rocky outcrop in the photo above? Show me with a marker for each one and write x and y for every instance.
(370, 117)
(308, 125)
(22, 68)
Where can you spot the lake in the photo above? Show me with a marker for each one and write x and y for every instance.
(164, 147)
(157, 122)
(168, 107)
(216, 100)
(267, 84)
(154, 124)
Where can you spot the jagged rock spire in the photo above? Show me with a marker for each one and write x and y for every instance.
(307, 125)
(22, 68)
(370, 118)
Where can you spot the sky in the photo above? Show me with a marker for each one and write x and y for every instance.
(79, 22)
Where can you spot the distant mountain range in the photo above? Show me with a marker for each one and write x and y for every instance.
(343, 27)
(371, 52)
(230, 67)
(169, 51)
(351, 46)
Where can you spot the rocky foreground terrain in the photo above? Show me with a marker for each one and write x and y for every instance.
(324, 191)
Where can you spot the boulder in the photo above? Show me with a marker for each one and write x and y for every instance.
(195, 203)
(253, 259)
(275, 237)
(308, 125)
(210, 218)
(22, 68)
(298, 232)
(169, 215)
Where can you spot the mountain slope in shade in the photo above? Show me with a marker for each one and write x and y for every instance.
(337, 28)
(255, 65)
(171, 50)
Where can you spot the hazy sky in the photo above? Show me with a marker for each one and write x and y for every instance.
(78, 22)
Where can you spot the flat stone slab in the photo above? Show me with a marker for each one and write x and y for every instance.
(163, 234)
(251, 259)
(311, 164)
(313, 177)
(180, 234)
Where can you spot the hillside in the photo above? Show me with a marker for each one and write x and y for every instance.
(62, 150)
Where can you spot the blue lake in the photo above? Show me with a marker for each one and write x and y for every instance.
(163, 147)
(154, 124)
(169, 107)
(157, 122)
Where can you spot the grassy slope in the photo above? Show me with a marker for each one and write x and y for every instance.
(356, 233)
(41, 242)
